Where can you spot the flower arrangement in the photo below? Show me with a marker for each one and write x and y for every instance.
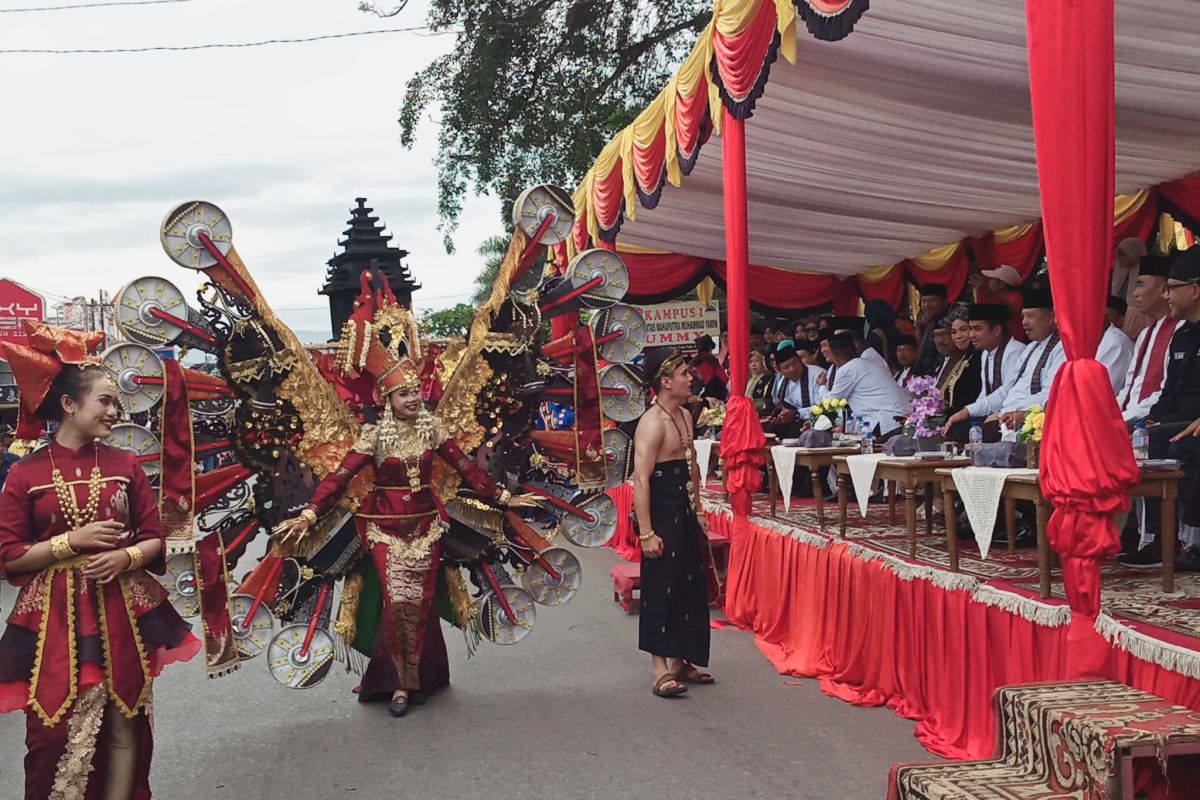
(927, 406)
(712, 417)
(829, 408)
(1035, 420)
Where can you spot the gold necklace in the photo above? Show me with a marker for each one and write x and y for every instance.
(67, 501)
(687, 455)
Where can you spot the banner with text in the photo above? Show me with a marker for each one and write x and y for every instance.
(680, 323)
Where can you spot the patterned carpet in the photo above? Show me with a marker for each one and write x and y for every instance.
(1065, 742)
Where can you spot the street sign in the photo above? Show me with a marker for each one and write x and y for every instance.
(17, 303)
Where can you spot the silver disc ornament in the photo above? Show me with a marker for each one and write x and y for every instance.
(251, 635)
(497, 626)
(183, 588)
(599, 524)
(553, 589)
(628, 325)
(137, 303)
(184, 229)
(618, 456)
(537, 203)
(292, 665)
(626, 399)
(607, 269)
(138, 374)
(142, 443)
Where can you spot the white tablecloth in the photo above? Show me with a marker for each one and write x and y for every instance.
(785, 468)
(862, 476)
(980, 488)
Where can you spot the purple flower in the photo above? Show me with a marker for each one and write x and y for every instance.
(926, 403)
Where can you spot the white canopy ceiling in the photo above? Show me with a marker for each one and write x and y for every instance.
(915, 131)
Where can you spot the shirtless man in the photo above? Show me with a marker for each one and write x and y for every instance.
(673, 623)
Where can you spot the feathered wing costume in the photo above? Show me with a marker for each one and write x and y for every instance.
(409, 516)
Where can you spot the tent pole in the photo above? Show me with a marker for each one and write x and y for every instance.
(737, 249)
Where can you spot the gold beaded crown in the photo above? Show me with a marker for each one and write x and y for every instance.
(361, 349)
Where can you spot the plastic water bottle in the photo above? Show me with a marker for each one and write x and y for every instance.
(852, 426)
(868, 442)
(974, 439)
(1141, 442)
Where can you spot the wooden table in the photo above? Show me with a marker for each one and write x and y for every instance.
(813, 458)
(907, 474)
(1154, 483)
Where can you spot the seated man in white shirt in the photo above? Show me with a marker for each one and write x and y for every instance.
(1148, 368)
(1002, 356)
(1116, 349)
(1039, 363)
(868, 387)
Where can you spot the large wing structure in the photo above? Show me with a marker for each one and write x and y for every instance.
(237, 448)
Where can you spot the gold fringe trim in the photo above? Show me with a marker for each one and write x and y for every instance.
(346, 627)
(129, 711)
(48, 719)
(83, 734)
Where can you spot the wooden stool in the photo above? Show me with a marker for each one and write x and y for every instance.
(718, 548)
(626, 578)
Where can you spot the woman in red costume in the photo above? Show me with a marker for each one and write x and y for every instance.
(79, 528)
(401, 527)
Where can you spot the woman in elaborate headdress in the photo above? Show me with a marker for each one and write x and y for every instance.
(399, 521)
(79, 528)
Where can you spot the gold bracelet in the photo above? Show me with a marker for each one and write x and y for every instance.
(505, 496)
(309, 515)
(646, 536)
(136, 556)
(60, 547)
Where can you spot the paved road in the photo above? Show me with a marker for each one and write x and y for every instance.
(565, 714)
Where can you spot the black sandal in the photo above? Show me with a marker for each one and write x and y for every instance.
(662, 687)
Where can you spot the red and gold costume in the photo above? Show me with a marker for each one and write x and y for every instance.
(76, 651)
(401, 525)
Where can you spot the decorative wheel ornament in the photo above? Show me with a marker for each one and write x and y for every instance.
(618, 456)
(629, 327)
(183, 588)
(607, 270)
(142, 443)
(553, 589)
(497, 626)
(137, 303)
(294, 666)
(187, 225)
(597, 527)
(250, 635)
(138, 373)
(627, 404)
(538, 202)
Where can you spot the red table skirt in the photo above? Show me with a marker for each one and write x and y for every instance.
(932, 654)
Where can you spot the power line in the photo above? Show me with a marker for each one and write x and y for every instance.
(178, 48)
(94, 5)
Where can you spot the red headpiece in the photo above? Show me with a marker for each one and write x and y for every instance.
(360, 349)
(36, 365)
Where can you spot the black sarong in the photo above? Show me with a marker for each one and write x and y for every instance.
(674, 612)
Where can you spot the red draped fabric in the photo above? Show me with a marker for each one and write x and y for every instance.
(689, 119)
(741, 59)
(624, 541)
(1182, 199)
(931, 654)
(649, 162)
(652, 274)
(1022, 253)
(890, 290)
(782, 289)
(1087, 463)
(845, 297)
(953, 273)
(1140, 223)
(607, 196)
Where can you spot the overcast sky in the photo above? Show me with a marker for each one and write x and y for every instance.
(95, 149)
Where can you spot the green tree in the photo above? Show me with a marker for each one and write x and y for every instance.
(492, 250)
(448, 322)
(533, 89)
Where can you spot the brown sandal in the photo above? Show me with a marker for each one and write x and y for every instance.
(663, 686)
(689, 674)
